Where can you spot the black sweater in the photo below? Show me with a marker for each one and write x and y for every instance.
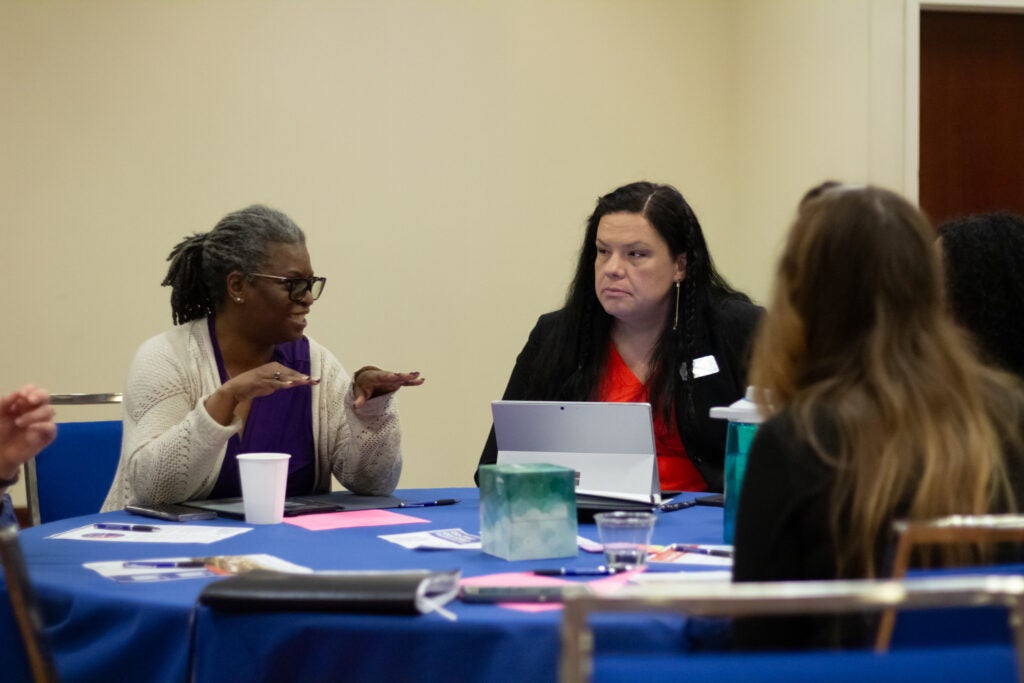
(728, 339)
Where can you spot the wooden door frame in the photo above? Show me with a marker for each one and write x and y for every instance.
(912, 75)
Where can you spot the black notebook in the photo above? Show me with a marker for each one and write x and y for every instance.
(589, 505)
(394, 592)
(336, 501)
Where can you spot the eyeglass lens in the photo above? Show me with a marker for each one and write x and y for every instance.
(298, 288)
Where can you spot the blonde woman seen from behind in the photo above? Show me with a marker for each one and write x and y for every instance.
(877, 409)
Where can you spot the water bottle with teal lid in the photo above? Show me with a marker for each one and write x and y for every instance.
(743, 423)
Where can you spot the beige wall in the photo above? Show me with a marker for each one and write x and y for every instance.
(442, 156)
(818, 95)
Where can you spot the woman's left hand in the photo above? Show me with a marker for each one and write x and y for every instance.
(370, 382)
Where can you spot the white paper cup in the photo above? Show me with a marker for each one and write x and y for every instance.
(625, 537)
(264, 481)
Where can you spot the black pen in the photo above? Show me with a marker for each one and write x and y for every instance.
(672, 507)
(126, 527)
(575, 571)
(165, 564)
(689, 548)
(430, 503)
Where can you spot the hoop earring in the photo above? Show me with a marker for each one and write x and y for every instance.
(675, 324)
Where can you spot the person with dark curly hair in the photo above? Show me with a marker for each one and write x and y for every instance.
(647, 319)
(983, 263)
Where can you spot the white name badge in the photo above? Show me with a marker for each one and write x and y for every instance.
(704, 366)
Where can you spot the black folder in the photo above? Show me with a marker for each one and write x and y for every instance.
(336, 501)
(394, 592)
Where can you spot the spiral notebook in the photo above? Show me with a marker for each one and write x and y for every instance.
(609, 445)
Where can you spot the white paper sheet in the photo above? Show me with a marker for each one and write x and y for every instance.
(457, 539)
(128, 571)
(161, 533)
(438, 539)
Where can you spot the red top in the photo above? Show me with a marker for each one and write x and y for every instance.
(675, 471)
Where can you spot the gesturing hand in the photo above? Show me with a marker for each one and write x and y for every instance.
(370, 382)
(261, 381)
(26, 427)
(265, 380)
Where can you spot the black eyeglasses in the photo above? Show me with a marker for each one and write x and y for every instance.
(298, 286)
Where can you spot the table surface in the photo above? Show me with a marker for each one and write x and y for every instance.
(100, 629)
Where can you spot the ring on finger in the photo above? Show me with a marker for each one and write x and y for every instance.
(277, 376)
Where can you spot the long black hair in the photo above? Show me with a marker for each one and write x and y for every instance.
(200, 264)
(571, 361)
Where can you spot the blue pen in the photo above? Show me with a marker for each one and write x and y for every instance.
(663, 567)
(575, 571)
(126, 527)
(165, 564)
(429, 503)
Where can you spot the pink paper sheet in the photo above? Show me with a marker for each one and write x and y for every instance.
(350, 520)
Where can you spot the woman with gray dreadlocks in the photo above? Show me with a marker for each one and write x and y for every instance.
(237, 374)
(647, 319)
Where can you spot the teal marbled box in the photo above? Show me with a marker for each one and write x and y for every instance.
(528, 512)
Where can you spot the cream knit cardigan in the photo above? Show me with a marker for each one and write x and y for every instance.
(172, 449)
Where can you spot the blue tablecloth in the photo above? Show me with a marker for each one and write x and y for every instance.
(102, 630)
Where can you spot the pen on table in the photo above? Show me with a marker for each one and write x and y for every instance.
(672, 507)
(430, 503)
(689, 548)
(575, 571)
(165, 564)
(126, 527)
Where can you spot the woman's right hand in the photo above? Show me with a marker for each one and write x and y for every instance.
(26, 427)
(261, 381)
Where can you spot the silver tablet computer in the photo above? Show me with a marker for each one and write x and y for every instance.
(610, 445)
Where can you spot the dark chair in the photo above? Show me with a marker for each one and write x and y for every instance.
(71, 476)
(724, 599)
(25, 611)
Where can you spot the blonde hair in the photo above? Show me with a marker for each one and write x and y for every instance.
(858, 334)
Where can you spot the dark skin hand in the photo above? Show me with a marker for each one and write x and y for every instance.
(259, 313)
(371, 382)
(234, 396)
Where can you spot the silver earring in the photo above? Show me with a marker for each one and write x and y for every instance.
(238, 299)
(675, 324)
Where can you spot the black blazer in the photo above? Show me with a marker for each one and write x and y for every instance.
(728, 339)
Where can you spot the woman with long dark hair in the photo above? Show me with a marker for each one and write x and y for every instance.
(646, 318)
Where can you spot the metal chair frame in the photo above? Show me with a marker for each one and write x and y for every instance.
(24, 607)
(31, 476)
(785, 598)
(977, 529)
